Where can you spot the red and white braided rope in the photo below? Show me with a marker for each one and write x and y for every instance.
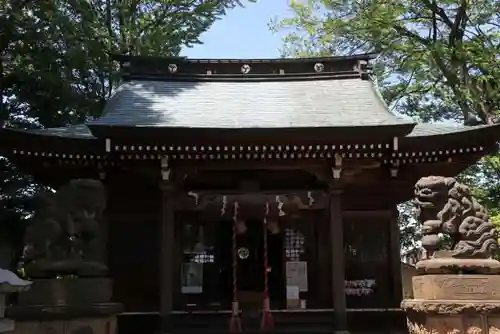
(267, 322)
(235, 322)
(266, 260)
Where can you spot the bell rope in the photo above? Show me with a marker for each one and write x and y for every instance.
(235, 322)
(267, 321)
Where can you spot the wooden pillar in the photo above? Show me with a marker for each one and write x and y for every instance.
(167, 249)
(395, 258)
(337, 248)
(394, 237)
(104, 248)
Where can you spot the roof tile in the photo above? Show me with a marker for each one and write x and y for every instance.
(262, 104)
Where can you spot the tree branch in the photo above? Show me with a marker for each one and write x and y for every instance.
(432, 5)
(457, 30)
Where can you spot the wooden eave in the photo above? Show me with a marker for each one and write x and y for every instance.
(402, 188)
(463, 136)
(126, 135)
(466, 145)
(37, 144)
(445, 153)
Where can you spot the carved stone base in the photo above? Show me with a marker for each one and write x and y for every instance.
(75, 326)
(448, 317)
(67, 291)
(456, 287)
(450, 265)
(454, 304)
(45, 319)
(48, 268)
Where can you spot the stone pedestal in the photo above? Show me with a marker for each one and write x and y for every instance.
(43, 319)
(66, 306)
(451, 303)
(68, 291)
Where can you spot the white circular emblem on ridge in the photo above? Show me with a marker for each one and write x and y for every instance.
(319, 67)
(245, 69)
(172, 68)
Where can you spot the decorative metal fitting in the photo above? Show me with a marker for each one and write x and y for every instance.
(319, 67)
(245, 68)
(172, 68)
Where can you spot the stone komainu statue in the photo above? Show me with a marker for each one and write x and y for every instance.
(65, 235)
(446, 206)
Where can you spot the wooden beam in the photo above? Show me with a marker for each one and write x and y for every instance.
(238, 165)
(298, 200)
(152, 217)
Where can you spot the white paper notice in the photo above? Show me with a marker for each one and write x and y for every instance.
(296, 274)
(292, 292)
(302, 304)
(192, 277)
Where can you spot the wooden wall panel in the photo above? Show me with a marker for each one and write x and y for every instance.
(368, 267)
(133, 216)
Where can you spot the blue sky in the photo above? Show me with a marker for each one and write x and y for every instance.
(243, 33)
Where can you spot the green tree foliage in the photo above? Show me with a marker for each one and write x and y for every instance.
(437, 61)
(55, 64)
(484, 178)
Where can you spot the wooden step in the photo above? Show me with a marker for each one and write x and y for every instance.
(310, 322)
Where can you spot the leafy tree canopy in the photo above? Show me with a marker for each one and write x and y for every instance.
(438, 61)
(55, 66)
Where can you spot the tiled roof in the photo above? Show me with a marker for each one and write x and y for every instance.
(75, 131)
(247, 104)
(432, 129)
(332, 94)
(80, 131)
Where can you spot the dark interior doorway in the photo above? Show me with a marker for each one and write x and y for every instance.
(250, 261)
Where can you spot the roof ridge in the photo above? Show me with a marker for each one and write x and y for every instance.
(180, 59)
(243, 78)
(241, 69)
